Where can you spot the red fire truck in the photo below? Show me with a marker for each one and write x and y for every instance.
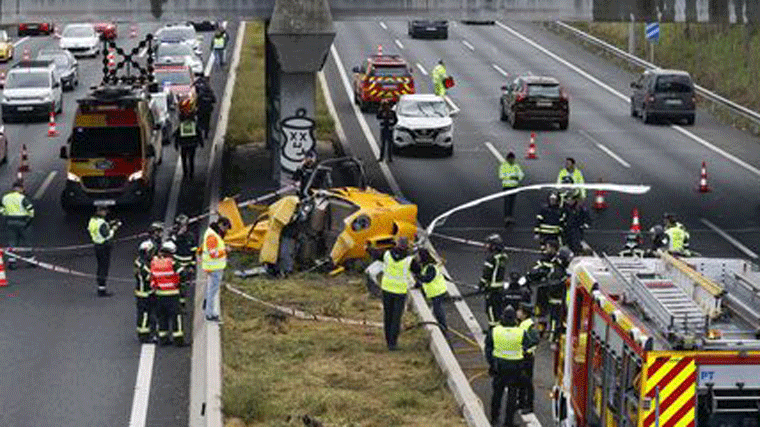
(380, 77)
(660, 342)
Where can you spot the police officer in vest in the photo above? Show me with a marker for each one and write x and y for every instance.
(218, 44)
(187, 136)
(164, 274)
(18, 212)
(505, 344)
(397, 276)
(510, 174)
(525, 396)
(213, 262)
(492, 278)
(145, 298)
(678, 237)
(433, 285)
(185, 241)
(101, 233)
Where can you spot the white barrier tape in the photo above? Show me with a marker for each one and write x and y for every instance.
(481, 244)
(302, 314)
(64, 270)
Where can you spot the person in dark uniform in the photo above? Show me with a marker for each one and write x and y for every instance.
(145, 298)
(187, 247)
(206, 101)
(187, 136)
(492, 278)
(102, 232)
(388, 119)
(526, 394)
(577, 220)
(550, 221)
(304, 172)
(504, 348)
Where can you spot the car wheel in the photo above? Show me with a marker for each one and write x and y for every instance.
(503, 117)
(356, 98)
(634, 113)
(66, 204)
(5, 153)
(449, 151)
(445, 35)
(60, 105)
(690, 120)
(563, 124)
(514, 121)
(645, 117)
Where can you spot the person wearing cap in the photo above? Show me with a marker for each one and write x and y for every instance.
(102, 232)
(145, 298)
(433, 285)
(438, 75)
(398, 266)
(185, 241)
(510, 174)
(504, 349)
(388, 119)
(213, 262)
(164, 281)
(188, 137)
(493, 276)
(526, 393)
(18, 212)
(572, 175)
(550, 221)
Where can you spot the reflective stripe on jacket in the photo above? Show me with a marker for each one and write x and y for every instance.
(142, 276)
(437, 286)
(214, 255)
(96, 227)
(187, 128)
(163, 279)
(526, 326)
(575, 178)
(15, 204)
(396, 274)
(510, 174)
(219, 42)
(507, 342)
(677, 238)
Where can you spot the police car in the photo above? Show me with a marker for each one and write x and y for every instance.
(180, 53)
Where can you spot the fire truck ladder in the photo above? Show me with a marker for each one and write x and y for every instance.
(659, 297)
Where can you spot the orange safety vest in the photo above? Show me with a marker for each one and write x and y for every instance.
(163, 279)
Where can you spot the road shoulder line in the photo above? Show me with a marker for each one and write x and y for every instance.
(730, 239)
(139, 414)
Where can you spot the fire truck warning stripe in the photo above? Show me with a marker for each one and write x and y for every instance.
(656, 366)
(686, 421)
(684, 389)
(685, 413)
(667, 378)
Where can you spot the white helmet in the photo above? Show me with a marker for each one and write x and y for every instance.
(168, 246)
(146, 246)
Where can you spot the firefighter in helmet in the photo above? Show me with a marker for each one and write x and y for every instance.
(492, 279)
(188, 137)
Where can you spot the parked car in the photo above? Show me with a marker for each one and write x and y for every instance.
(6, 47)
(32, 88)
(35, 28)
(66, 65)
(428, 28)
(664, 94)
(3, 146)
(424, 120)
(178, 79)
(534, 98)
(180, 33)
(163, 103)
(106, 29)
(380, 77)
(80, 40)
(179, 53)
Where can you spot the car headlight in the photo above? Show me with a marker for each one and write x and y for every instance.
(135, 176)
(361, 222)
(72, 177)
(47, 98)
(446, 128)
(403, 129)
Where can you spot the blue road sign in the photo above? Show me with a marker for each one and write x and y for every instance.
(653, 31)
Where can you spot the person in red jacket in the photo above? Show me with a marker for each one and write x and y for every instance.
(164, 279)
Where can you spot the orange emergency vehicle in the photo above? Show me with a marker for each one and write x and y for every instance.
(660, 342)
(381, 77)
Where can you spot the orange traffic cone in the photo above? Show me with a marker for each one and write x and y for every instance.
(133, 31)
(380, 50)
(111, 60)
(599, 203)
(3, 280)
(26, 54)
(532, 148)
(20, 177)
(635, 225)
(51, 127)
(703, 187)
(24, 167)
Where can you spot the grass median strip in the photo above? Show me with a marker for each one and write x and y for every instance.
(278, 369)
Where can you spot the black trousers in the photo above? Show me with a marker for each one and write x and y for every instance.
(527, 391)
(438, 311)
(509, 203)
(510, 378)
(204, 120)
(169, 319)
(103, 256)
(393, 308)
(494, 305)
(386, 144)
(146, 308)
(188, 159)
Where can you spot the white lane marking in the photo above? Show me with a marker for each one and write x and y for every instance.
(45, 185)
(142, 386)
(171, 208)
(382, 24)
(212, 58)
(455, 109)
(21, 40)
(623, 97)
(737, 244)
(331, 108)
(422, 69)
(500, 70)
(398, 43)
(363, 123)
(495, 152)
(605, 149)
(142, 52)
(469, 46)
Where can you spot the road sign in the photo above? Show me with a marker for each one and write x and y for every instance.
(653, 32)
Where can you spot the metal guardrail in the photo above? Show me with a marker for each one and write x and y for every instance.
(739, 110)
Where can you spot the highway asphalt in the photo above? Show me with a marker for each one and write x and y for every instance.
(68, 357)
(605, 140)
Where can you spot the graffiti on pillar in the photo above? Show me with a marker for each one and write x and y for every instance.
(298, 139)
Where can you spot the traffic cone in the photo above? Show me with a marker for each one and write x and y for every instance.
(380, 50)
(24, 167)
(3, 280)
(20, 177)
(133, 31)
(635, 225)
(532, 148)
(26, 54)
(51, 127)
(703, 187)
(599, 203)
(111, 59)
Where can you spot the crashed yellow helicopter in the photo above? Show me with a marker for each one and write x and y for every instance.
(326, 218)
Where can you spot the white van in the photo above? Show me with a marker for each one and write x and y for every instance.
(32, 89)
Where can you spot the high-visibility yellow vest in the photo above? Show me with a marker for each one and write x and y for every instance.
(187, 128)
(677, 238)
(13, 205)
(525, 325)
(576, 177)
(214, 254)
(94, 228)
(219, 42)
(435, 287)
(395, 274)
(507, 342)
(510, 174)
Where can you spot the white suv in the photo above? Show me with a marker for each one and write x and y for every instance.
(424, 120)
(32, 89)
(80, 40)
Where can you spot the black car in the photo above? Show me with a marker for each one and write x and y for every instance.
(534, 98)
(204, 25)
(65, 63)
(35, 28)
(428, 29)
(664, 94)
